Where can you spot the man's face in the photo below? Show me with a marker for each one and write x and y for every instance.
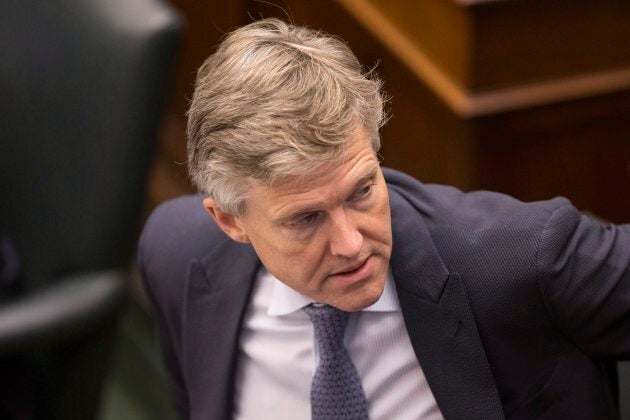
(326, 234)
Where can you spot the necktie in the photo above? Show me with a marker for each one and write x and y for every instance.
(336, 392)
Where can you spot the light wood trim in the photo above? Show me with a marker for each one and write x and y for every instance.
(548, 92)
(475, 2)
(407, 51)
(473, 104)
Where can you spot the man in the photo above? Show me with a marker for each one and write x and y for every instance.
(461, 306)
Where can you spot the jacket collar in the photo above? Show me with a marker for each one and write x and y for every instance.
(214, 312)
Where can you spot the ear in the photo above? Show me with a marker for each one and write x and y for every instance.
(228, 223)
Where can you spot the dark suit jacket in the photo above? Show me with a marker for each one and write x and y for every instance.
(512, 308)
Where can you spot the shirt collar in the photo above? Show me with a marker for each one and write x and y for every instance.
(285, 300)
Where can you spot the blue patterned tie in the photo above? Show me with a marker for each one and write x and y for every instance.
(336, 393)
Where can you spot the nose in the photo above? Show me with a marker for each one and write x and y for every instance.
(345, 238)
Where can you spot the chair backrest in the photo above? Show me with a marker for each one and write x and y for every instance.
(82, 84)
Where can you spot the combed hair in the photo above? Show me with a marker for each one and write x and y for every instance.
(275, 100)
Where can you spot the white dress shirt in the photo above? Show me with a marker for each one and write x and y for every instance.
(278, 356)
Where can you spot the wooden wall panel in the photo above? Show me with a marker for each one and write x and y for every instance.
(479, 117)
(517, 42)
(579, 149)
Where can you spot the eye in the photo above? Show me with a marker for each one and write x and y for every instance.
(362, 192)
(304, 220)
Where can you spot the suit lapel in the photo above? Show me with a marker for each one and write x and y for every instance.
(218, 290)
(439, 321)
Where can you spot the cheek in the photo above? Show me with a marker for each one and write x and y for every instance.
(387, 223)
(302, 271)
(381, 221)
(309, 266)
(288, 258)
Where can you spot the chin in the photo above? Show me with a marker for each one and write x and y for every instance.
(360, 300)
(357, 306)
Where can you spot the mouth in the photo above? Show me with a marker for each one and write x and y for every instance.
(354, 273)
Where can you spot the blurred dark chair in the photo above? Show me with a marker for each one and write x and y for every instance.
(624, 389)
(82, 86)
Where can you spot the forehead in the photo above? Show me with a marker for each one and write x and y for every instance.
(356, 163)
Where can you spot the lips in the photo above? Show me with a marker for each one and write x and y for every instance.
(352, 269)
(354, 273)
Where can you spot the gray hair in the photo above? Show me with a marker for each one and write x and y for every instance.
(275, 100)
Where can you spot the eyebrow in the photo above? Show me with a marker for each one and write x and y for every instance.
(368, 174)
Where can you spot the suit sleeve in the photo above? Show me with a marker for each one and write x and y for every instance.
(584, 280)
(166, 327)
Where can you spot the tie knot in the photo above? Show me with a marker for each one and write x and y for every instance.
(329, 324)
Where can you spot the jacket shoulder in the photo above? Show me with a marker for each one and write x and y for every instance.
(176, 232)
(448, 207)
(479, 229)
